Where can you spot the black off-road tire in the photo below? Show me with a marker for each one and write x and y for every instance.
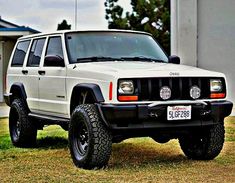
(22, 131)
(205, 146)
(90, 142)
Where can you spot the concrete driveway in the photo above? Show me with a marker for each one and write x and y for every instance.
(4, 110)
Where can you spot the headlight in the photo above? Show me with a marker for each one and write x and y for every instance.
(216, 85)
(126, 87)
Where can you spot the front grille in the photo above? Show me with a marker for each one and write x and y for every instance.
(148, 89)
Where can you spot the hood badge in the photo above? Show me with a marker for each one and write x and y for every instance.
(174, 73)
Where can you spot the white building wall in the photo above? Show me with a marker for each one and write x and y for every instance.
(203, 35)
(216, 39)
(6, 48)
(184, 30)
(1, 71)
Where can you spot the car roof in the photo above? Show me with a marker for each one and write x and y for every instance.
(80, 31)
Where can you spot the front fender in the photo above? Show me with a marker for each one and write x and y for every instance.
(93, 89)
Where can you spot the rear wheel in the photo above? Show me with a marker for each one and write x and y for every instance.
(23, 133)
(90, 142)
(204, 146)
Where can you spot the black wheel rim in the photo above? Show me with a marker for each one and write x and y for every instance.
(15, 125)
(81, 140)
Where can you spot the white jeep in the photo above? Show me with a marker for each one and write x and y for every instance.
(107, 86)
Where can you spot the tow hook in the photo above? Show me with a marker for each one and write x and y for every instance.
(153, 115)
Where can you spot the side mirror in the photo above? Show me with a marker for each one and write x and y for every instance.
(174, 59)
(53, 61)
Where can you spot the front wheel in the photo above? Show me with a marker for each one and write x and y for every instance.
(205, 145)
(90, 142)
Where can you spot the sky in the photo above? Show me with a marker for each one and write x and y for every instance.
(44, 15)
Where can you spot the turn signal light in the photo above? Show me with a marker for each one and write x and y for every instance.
(128, 98)
(217, 95)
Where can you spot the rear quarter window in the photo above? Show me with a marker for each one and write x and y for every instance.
(20, 52)
(36, 52)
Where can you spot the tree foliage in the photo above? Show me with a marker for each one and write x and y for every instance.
(63, 26)
(152, 16)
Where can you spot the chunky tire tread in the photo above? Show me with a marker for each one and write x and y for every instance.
(100, 139)
(28, 132)
(210, 146)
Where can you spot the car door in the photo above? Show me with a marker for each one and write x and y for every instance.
(30, 73)
(52, 92)
(15, 71)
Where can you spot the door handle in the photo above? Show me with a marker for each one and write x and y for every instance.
(25, 72)
(42, 72)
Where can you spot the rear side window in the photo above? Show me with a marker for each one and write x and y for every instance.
(35, 52)
(55, 47)
(19, 55)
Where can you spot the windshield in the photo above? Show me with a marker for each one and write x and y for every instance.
(106, 46)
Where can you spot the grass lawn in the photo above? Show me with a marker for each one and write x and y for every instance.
(134, 160)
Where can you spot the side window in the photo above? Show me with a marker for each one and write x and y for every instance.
(35, 52)
(54, 50)
(19, 55)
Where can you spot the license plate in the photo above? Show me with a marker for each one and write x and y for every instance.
(179, 112)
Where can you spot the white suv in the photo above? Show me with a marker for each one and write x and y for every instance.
(107, 86)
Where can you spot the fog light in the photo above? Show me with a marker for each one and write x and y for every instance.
(165, 92)
(195, 92)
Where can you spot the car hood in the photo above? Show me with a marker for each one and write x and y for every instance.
(126, 69)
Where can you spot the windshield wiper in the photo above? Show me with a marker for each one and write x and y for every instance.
(143, 58)
(102, 58)
(97, 59)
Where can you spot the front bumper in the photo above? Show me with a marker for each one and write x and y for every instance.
(145, 116)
